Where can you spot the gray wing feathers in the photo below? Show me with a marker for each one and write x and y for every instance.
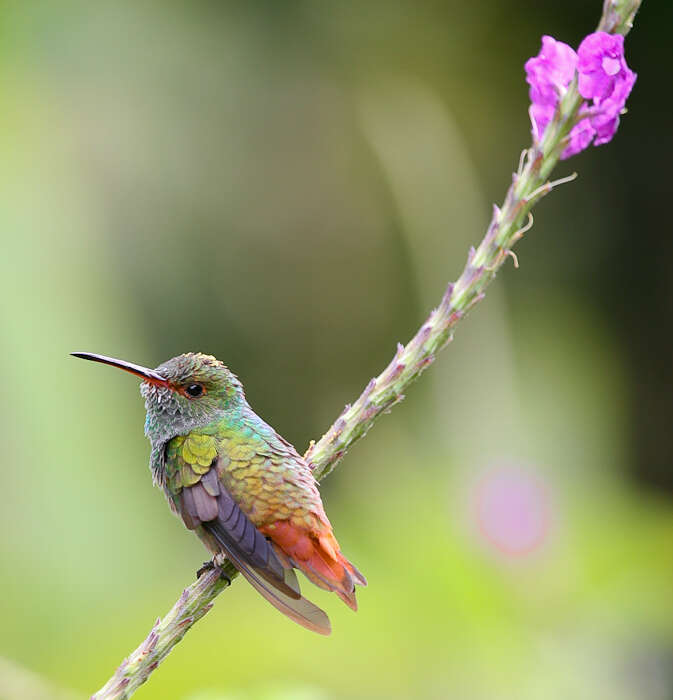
(208, 504)
(302, 611)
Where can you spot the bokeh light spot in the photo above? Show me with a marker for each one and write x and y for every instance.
(512, 510)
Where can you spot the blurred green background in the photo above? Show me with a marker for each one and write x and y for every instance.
(289, 186)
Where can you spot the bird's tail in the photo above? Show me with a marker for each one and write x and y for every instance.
(318, 556)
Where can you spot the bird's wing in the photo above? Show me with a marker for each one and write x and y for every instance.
(202, 501)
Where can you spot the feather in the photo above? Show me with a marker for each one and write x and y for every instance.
(239, 529)
(318, 557)
(291, 580)
(243, 542)
(247, 541)
(210, 482)
(206, 505)
(272, 571)
(300, 610)
(188, 509)
(290, 576)
(234, 533)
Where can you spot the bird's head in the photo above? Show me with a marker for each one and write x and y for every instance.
(183, 393)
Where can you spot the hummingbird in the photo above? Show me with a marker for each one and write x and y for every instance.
(242, 488)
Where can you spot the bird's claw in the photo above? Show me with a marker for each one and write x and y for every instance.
(209, 566)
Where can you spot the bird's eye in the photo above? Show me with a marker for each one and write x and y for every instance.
(194, 390)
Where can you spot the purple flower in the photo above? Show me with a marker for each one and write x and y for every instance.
(602, 68)
(580, 137)
(550, 71)
(548, 74)
(603, 78)
(540, 116)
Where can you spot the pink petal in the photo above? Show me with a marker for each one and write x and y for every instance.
(611, 65)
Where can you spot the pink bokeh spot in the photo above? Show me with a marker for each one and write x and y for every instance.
(512, 510)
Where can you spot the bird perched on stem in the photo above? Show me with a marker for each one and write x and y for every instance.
(242, 488)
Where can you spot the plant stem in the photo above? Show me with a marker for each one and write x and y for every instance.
(529, 185)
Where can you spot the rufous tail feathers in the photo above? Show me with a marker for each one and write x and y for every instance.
(318, 556)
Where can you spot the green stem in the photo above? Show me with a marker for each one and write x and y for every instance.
(528, 186)
(617, 16)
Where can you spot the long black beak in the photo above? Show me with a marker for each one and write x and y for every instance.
(149, 375)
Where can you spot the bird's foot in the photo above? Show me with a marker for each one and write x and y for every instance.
(215, 563)
(207, 566)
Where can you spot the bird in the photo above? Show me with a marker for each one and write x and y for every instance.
(241, 487)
